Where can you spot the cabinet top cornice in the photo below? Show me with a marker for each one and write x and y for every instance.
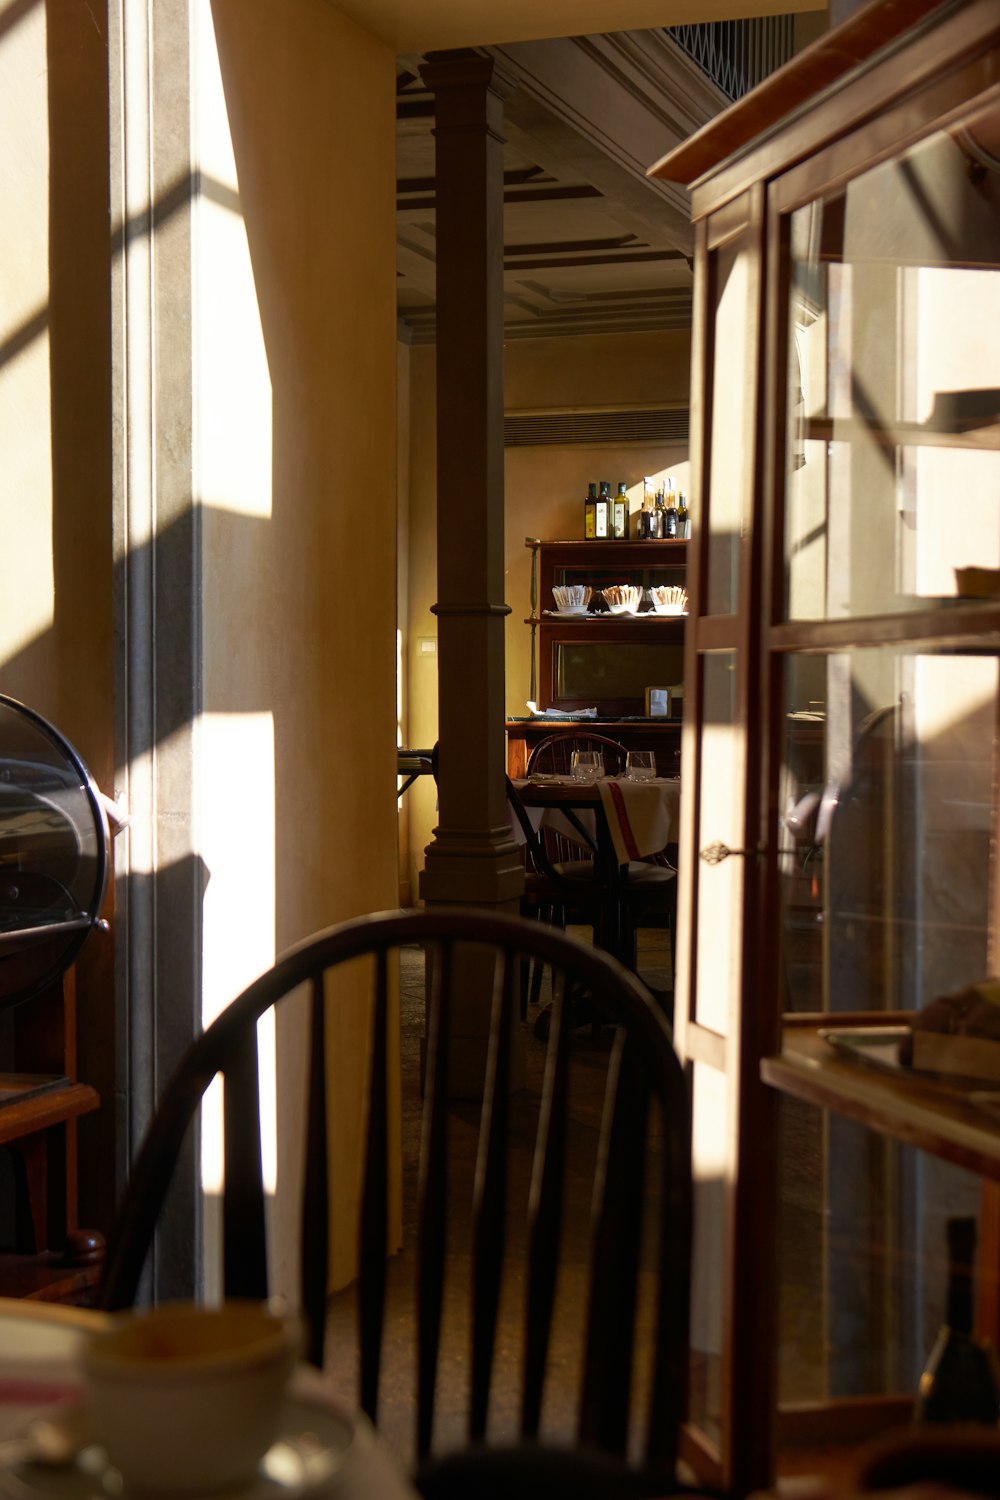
(824, 63)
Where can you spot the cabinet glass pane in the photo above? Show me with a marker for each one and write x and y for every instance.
(720, 886)
(862, 1258)
(733, 370)
(887, 827)
(893, 381)
(597, 670)
(709, 1137)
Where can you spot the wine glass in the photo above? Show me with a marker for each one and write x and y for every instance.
(640, 765)
(587, 765)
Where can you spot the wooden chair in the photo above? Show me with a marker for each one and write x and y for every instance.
(650, 885)
(639, 1160)
(554, 756)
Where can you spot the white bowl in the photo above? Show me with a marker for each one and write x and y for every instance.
(623, 598)
(670, 609)
(188, 1398)
(571, 598)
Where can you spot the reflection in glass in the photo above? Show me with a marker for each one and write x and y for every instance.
(886, 827)
(893, 385)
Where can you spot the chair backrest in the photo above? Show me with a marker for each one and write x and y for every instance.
(555, 752)
(554, 755)
(630, 1316)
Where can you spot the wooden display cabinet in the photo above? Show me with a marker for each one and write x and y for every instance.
(602, 660)
(841, 746)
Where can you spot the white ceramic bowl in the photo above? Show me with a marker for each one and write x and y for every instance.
(571, 597)
(184, 1397)
(623, 598)
(665, 601)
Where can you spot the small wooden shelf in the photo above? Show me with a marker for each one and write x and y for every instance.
(920, 1111)
(901, 434)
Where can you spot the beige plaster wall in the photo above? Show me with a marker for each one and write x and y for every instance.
(420, 646)
(295, 415)
(55, 604)
(544, 491)
(55, 444)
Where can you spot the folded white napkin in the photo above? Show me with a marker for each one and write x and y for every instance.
(559, 713)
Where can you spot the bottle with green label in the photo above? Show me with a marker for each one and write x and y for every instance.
(619, 514)
(590, 513)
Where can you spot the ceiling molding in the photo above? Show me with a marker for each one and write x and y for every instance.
(592, 244)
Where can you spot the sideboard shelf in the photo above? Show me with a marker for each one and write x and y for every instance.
(602, 660)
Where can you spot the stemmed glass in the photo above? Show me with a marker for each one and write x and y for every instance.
(587, 765)
(640, 765)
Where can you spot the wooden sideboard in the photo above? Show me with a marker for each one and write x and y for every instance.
(599, 659)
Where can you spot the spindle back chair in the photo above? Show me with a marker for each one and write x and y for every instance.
(640, 1161)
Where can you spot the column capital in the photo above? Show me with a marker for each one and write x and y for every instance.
(465, 68)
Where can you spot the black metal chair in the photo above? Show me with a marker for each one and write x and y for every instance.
(638, 1151)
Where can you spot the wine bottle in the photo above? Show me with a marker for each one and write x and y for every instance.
(683, 517)
(619, 513)
(602, 525)
(648, 523)
(590, 513)
(959, 1382)
(668, 521)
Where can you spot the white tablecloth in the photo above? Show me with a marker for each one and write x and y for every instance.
(642, 816)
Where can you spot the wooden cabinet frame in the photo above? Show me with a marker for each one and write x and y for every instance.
(893, 74)
(600, 563)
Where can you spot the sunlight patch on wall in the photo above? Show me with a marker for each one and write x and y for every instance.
(232, 395)
(25, 391)
(236, 841)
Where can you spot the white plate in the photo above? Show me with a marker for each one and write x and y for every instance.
(315, 1438)
(568, 614)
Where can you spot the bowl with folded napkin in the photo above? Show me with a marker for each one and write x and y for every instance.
(623, 598)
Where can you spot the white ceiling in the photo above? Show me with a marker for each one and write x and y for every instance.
(426, 25)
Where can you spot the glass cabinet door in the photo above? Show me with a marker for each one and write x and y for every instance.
(885, 665)
(839, 880)
(715, 806)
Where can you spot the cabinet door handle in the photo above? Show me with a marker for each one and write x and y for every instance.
(714, 854)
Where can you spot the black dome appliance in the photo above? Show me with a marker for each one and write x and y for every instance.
(54, 853)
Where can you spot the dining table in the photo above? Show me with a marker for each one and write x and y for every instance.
(325, 1450)
(625, 819)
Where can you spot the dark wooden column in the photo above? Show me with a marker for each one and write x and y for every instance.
(472, 859)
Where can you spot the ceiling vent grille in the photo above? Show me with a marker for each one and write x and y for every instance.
(590, 429)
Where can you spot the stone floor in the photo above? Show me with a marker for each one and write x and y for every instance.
(397, 1400)
(800, 1268)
